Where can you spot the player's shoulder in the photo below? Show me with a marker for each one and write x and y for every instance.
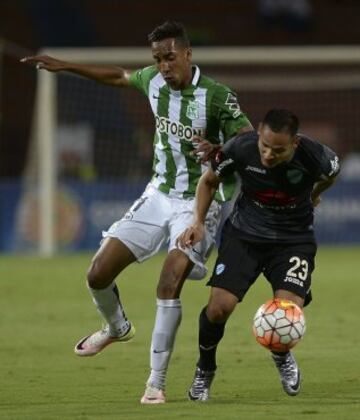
(221, 98)
(308, 144)
(148, 71)
(141, 77)
(242, 144)
(313, 148)
(318, 156)
(215, 86)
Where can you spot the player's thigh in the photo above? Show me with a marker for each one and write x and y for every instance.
(200, 252)
(144, 227)
(289, 268)
(238, 263)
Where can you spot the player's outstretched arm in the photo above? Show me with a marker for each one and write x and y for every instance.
(205, 192)
(110, 75)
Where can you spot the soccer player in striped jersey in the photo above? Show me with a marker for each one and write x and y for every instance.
(187, 106)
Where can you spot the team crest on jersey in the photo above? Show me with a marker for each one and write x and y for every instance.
(192, 110)
(294, 176)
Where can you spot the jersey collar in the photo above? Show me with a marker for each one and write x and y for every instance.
(196, 77)
(194, 82)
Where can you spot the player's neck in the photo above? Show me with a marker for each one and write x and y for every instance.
(187, 79)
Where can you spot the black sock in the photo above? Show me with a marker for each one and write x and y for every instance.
(210, 335)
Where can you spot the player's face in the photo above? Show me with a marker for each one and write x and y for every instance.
(173, 61)
(275, 148)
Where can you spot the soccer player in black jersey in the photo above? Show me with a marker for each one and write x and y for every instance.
(269, 231)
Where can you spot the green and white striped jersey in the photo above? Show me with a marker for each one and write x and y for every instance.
(206, 108)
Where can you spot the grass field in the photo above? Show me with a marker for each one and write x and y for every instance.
(45, 309)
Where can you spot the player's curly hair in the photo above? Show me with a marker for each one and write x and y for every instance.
(282, 120)
(170, 29)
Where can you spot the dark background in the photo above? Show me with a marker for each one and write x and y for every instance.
(28, 25)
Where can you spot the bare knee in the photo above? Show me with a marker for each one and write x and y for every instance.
(95, 276)
(221, 305)
(99, 275)
(109, 261)
(218, 312)
(168, 287)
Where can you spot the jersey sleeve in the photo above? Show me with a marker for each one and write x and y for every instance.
(329, 163)
(224, 162)
(230, 116)
(140, 79)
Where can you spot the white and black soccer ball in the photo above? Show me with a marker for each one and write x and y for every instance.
(279, 325)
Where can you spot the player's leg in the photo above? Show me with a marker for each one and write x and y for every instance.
(236, 269)
(176, 268)
(212, 322)
(112, 257)
(137, 236)
(285, 363)
(289, 268)
(287, 295)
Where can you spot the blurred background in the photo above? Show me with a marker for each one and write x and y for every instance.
(102, 136)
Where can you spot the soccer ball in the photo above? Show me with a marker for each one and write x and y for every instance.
(279, 324)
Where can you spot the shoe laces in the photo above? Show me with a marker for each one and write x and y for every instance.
(202, 382)
(287, 366)
(153, 392)
(99, 336)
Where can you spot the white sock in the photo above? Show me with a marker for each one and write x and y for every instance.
(167, 321)
(108, 304)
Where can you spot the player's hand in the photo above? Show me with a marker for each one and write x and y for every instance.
(44, 62)
(191, 236)
(204, 150)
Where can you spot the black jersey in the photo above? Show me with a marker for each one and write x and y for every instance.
(274, 204)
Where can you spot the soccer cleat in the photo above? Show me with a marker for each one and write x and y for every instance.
(200, 387)
(289, 372)
(94, 343)
(153, 395)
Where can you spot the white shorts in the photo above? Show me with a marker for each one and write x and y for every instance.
(156, 219)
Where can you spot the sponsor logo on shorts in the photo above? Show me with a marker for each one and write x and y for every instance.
(220, 268)
(294, 280)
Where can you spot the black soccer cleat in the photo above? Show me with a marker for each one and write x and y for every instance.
(289, 372)
(200, 387)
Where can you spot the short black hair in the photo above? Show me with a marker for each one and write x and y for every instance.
(282, 120)
(170, 29)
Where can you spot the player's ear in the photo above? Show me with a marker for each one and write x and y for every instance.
(296, 141)
(189, 54)
(260, 128)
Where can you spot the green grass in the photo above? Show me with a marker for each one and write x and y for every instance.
(45, 309)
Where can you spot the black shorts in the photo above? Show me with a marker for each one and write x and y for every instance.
(286, 266)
